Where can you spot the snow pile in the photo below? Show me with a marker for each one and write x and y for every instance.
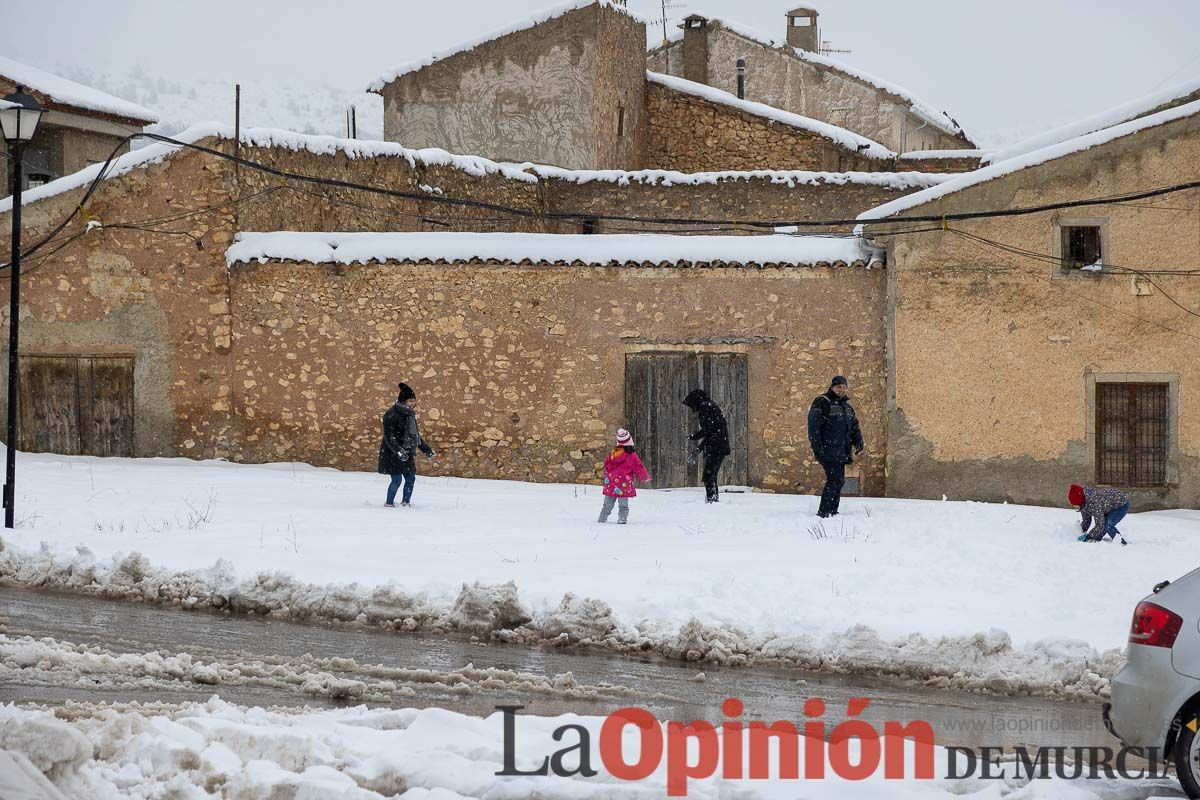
(69, 93)
(219, 750)
(839, 136)
(548, 248)
(1097, 122)
(938, 119)
(905, 587)
(521, 24)
(789, 178)
(1001, 168)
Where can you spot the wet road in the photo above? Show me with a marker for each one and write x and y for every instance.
(670, 689)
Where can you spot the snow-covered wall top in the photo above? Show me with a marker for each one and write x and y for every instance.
(920, 155)
(70, 93)
(938, 119)
(1026, 160)
(269, 137)
(473, 165)
(839, 136)
(790, 178)
(1096, 122)
(522, 24)
(548, 248)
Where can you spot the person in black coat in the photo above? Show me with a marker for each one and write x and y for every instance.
(398, 449)
(832, 431)
(712, 439)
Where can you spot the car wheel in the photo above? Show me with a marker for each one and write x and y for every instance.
(1187, 759)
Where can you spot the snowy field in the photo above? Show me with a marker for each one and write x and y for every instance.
(970, 595)
(216, 749)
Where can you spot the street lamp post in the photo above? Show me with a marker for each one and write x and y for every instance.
(19, 115)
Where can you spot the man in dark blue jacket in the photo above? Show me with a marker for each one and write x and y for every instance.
(832, 431)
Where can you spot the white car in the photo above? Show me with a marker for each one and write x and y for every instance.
(1156, 695)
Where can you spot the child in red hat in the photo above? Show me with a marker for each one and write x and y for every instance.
(1104, 504)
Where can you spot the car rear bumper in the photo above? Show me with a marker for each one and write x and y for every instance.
(1147, 693)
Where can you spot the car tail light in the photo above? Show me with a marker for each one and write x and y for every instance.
(1154, 626)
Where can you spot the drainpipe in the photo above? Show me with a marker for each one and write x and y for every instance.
(741, 68)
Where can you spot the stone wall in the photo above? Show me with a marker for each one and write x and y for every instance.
(993, 353)
(547, 94)
(619, 95)
(519, 370)
(155, 296)
(208, 375)
(778, 78)
(692, 134)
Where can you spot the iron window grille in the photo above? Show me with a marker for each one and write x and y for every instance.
(1132, 434)
(1081, 247)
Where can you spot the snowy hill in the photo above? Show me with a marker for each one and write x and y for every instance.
(181, 102)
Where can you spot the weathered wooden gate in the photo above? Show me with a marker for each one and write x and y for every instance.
(655, 385)
(76, 405)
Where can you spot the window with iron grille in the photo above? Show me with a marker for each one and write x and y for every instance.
(1081, 247)
(1132, 434)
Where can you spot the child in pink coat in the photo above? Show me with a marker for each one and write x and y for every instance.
(620, 469)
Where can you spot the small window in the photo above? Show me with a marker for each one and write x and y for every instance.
(620, 120)
(801, 22)
(1132, 434)
(1081, 248)
(587, 226)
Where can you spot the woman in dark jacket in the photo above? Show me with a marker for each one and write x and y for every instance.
(401, 441)
(712, 438)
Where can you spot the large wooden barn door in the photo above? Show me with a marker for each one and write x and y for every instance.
(76, 405)
(655, 385)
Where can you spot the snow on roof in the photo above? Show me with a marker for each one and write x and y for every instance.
(270, 137)
(938, 119)
(932, 154)
(790, 178)
(1105, 119)
(1026, 160)
(70, 93)
(548, 248)
(524, 23)
(839, 136)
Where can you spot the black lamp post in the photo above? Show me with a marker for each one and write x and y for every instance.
(19, 115)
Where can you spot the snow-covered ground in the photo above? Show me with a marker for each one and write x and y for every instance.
(969, 595)
(220, 750)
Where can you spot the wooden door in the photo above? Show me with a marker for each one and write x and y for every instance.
(655, 385)
(76, 405)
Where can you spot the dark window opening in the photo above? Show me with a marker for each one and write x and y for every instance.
(620, 120)
(1081, 247)
(1132, 434)
(587, 226)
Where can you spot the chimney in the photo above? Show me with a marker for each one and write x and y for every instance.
(695, 48)
(802, 29)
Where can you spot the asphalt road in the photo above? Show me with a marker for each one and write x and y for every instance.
(670, 689)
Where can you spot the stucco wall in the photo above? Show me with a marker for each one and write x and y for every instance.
(551, 94)
(779, 79)
(992, 351)
(520, 370)
(691, 134)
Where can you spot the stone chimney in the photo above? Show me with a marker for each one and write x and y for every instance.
(695, 48)
(802, 29)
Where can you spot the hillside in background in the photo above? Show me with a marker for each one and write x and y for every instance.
(179, 103)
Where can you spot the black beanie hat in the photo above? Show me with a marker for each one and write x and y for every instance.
(838, 380)
(406, 392)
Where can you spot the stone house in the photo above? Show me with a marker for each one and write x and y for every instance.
(147, 338)
(80, 125)
(1056, 346)
(793, 75)
(569, 88)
